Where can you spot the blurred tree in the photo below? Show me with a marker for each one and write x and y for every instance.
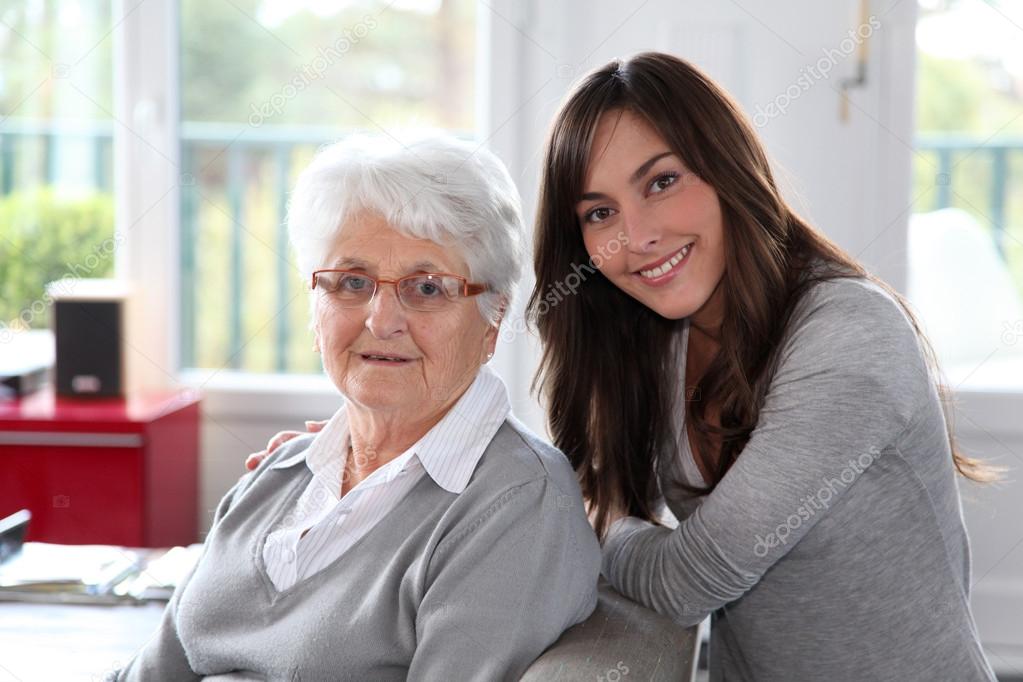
(949, 93)
(223, 54)
(361, 65)
(959, 95)
(46, 45)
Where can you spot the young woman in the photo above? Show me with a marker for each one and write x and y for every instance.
(719, 356)
(726, 359)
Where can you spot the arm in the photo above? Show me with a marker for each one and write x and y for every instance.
(163, 657)
(506, 588)
(849, 380)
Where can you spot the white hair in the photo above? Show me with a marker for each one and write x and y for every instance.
(438, 188)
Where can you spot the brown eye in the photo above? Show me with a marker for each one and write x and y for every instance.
(663, 182)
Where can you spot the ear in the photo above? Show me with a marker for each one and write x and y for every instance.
(491, 336)
(500, 312)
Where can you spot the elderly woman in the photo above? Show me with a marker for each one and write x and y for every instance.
(424, 533)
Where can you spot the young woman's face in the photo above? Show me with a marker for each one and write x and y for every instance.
(651, 225)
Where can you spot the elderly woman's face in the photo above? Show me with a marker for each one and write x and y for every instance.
(441, 350)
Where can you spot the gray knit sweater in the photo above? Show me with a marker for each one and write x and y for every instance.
(468, 586)
(834, 548)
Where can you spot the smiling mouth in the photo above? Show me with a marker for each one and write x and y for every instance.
(666, 266)
(391, 359)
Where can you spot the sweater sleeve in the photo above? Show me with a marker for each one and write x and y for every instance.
(163, 657)
(505, 588)
(849, 379)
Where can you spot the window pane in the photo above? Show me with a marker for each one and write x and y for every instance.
(966, 235)
(56, 153)
(264, 83)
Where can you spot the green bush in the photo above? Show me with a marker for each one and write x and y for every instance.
(45, 237)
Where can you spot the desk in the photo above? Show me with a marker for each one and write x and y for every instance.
(102, 470)
(50, 642)
(44, 642)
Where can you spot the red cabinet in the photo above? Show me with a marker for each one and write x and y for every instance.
(103, 471)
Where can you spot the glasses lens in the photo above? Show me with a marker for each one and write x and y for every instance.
(429, 292)
(345, 287)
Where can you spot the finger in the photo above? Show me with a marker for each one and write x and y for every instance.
(313, 426)
(253, 460)
(280, 439)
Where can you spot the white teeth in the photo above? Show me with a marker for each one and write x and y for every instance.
(663, 269)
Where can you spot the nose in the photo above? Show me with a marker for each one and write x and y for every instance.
(642, 230)
(386, 318)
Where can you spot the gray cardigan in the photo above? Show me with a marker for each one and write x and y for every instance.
(834, 548)
(469, 586)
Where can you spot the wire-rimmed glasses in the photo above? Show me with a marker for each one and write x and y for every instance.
(427, 292)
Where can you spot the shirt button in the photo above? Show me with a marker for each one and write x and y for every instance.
(289, 555)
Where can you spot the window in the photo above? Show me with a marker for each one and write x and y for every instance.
(263, 84)
(966, 235)
(56, 155)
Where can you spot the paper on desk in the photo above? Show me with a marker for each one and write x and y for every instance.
(40, 563)
(162, 574)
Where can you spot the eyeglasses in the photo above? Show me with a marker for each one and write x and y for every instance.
(428, 292)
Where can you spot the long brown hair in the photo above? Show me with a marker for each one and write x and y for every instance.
(607, 370)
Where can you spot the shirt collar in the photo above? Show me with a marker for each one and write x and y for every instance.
(449, 451)
(328, 442)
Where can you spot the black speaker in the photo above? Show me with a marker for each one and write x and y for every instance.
(88, 327)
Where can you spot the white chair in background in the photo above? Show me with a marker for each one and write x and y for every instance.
(964, 293)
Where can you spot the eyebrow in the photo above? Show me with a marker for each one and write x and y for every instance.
(636, 176)
(418, 266)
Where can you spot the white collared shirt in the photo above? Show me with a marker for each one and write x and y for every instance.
(448, 452)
